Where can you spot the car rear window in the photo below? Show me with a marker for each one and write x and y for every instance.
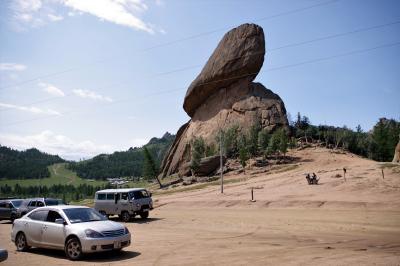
(51, 202)
(16, 203)
(40, 215)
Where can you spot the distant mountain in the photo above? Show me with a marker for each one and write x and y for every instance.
(123, 163)
(30, 163)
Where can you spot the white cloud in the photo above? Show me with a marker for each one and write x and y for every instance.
(91, 95)
(31, 109)
(35, 13)
(53, 17)
(138, 142)
(53, 143)
(120, 12)
(51, 89)
(12, 67)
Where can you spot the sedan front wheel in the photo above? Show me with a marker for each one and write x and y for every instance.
(73, 249)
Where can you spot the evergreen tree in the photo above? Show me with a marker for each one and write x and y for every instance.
(197, 152)
(243, 151)
(253, 139)
(283, 141)
(150, 170)
(263, 140)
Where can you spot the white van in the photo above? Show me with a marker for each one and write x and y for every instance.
(125, 202)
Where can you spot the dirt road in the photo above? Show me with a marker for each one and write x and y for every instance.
(232, 236)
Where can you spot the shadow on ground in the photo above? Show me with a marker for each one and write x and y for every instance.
(107, 256)
(137, 220)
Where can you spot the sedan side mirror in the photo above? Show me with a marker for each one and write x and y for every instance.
(60, 221)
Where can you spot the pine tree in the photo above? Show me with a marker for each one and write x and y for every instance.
(283, 142)
(243, 151)
(150, 170)
(197, 152)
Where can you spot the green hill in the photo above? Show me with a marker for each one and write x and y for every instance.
(123, 163)
(28, 164)
(59, 175)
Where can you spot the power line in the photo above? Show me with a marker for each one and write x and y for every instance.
(316, 60)
(172, 42)
(231, 59)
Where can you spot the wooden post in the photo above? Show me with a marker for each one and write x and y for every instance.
(344, 173)
(252, 196)
(383, 175)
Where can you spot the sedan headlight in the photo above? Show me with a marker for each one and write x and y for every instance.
(126, 230)
(93, 234)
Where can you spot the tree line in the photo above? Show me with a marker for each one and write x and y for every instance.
(378, 144)
(30, 163)
(65, 192)
(124, 163)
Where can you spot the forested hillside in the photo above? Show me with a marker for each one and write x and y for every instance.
(28, 164)
(124, 163)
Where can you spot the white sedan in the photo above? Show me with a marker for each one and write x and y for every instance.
(74, 229)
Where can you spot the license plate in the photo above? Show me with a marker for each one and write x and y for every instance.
(117, 244)
(145, 210)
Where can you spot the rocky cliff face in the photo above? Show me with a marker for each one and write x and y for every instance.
(223, 95)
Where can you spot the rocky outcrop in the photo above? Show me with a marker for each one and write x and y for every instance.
(223, 96)
(207, 166)
(238, 56)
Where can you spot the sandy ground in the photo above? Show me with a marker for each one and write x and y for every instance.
(356, 222)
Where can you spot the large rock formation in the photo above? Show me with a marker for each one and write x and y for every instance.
(223, 95)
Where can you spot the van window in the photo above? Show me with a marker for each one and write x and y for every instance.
(39, 204)
(110, 196)
(139, 194)
(32, 203)
(124, 196)
(2, 204)
(101, 196)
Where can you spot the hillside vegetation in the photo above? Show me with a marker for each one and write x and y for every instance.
(28, 164)
(124, 163)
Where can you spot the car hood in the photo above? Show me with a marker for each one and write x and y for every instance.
(99, 226)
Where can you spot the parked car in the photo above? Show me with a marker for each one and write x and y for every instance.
(127, 202)
(30, 204)
(9, 209)
(3, 255)
(75, 229)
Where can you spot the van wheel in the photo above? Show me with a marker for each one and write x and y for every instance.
(21, 243)
(125, 216)
(144, 215)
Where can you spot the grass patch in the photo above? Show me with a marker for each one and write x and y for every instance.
(59, 175)
(388, 165)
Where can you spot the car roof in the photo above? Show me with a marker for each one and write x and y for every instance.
(61, 207)
(8, 200)
(117, 190)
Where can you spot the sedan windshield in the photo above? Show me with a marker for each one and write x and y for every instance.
(83, 215)
(16, 203)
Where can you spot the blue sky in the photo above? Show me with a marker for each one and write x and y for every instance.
(77, 77)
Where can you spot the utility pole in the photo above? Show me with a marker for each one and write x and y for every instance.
(220, 161)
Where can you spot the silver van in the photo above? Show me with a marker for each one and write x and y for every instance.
(124, 202)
